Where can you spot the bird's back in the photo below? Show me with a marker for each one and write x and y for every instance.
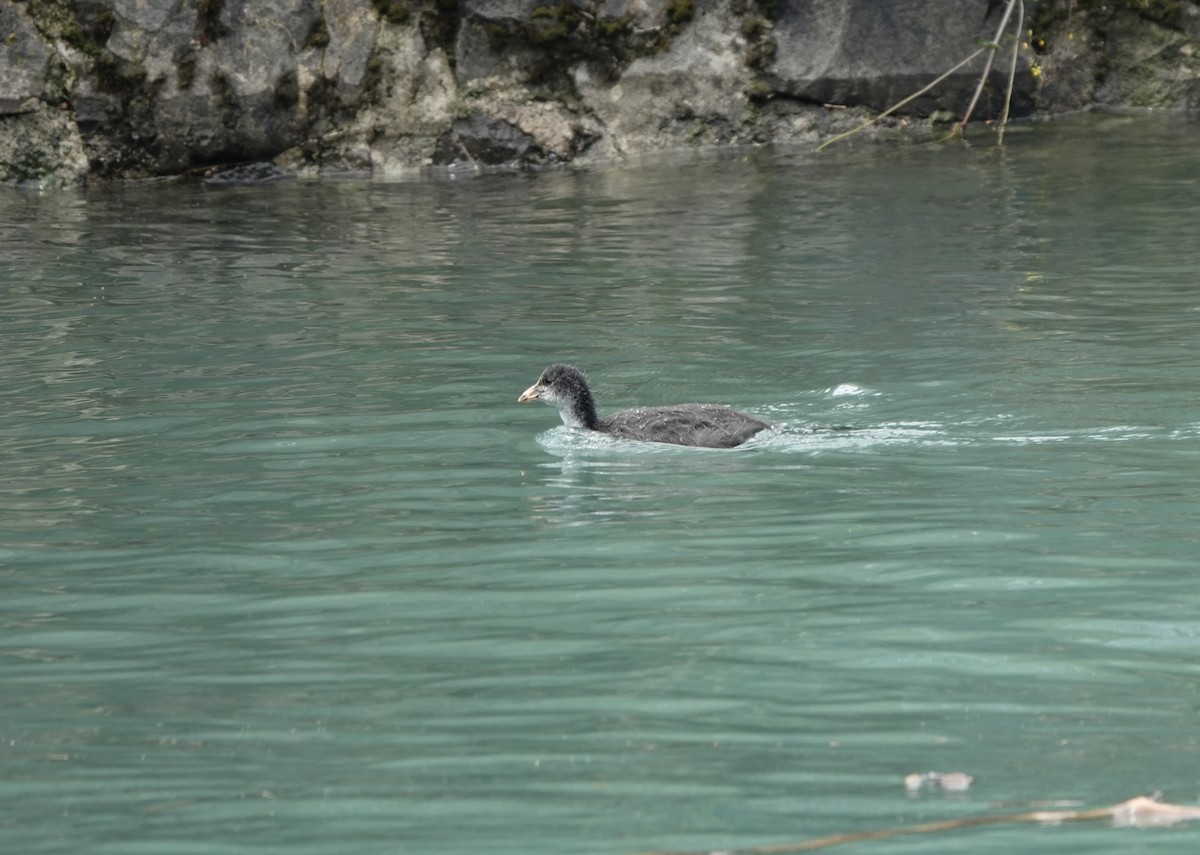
(701, 425)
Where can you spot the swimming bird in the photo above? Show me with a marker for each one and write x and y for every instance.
(702, 425)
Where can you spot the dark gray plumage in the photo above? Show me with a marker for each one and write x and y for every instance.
(702, 425)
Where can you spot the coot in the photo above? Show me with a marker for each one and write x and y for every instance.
(703, 425)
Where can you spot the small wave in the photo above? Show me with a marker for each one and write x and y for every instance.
(1114, 433)
(853, 424)
(564, 440)
(850, 390)
(1185, 432)
(785, 437)
(808, 439)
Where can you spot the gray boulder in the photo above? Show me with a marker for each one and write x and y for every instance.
(24, 60)
(872, 54)
(40, 145)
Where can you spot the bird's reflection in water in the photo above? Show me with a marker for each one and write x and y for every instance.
(578, 491)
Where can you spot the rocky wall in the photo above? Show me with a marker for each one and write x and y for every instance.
(130, 88)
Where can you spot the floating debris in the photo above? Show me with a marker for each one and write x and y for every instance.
(951, 782)
(1138, 812)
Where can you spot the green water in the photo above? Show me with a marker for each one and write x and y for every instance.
(285, 569)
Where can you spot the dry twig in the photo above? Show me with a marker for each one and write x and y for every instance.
(991, 49)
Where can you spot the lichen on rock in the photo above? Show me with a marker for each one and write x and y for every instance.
(41, 145)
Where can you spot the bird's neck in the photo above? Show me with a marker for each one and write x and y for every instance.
(581, 413)
(571, 418)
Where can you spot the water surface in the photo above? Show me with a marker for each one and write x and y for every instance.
(285, 568)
